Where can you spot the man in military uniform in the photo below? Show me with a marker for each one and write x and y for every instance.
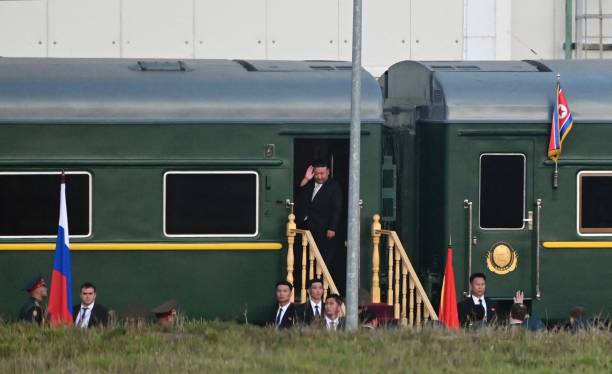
(34, 309)
(165, 314)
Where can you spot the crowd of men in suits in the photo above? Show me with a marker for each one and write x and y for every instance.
(477, 310)
(89, 313)
(315, 312)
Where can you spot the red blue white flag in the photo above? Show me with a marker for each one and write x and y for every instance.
(561, 125)
(60, 297)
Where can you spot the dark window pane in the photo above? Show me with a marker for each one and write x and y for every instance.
(29, 204)
(213, 204)
(596, 203)
(501, 191)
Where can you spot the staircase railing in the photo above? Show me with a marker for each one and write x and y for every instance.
(411, 304)
(312, 265)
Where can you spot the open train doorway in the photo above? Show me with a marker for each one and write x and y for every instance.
(335, 152)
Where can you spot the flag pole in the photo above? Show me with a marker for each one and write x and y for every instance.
(353, 237)
(556, 171)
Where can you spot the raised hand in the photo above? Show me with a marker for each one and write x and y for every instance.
(519, 297)
(308, 176)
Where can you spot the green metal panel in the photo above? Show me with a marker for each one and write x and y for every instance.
(127, 163)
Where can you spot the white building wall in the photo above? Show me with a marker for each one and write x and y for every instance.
(393, 30)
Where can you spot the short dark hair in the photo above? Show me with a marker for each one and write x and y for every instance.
(320, 164)
(284, 283)
(334, 296)
(314, 280)
(518, 311)
(87, 285)
(477, 275)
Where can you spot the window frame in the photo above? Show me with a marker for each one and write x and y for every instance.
(255, 234)
(480, 189)
(579, 227)
(90, 190)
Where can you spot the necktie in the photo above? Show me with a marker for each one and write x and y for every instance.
(316, 189)
(278, 316)
(317, 312)
(332, 325)
(484, 318)
(83, 314)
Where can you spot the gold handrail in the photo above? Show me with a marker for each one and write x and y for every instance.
(312, 261)
(405, 293)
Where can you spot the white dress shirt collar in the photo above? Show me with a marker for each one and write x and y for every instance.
(484, 303)
(329, 321)
(313, 304)
(84, 316)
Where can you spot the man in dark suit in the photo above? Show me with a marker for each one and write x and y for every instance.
(319, 208)
(285, 315)
(333, 309)
(477, 310)
(313, 309)
(89, 313)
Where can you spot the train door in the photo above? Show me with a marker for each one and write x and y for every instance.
(501, 215)
(336, 153)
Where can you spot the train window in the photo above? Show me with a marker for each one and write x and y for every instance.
(29, 204)
(219, 203)
(595, 202)
(502, 191)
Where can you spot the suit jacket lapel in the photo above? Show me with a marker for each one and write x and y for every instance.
(319, 192)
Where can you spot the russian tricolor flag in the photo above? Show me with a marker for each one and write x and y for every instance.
(60, 297)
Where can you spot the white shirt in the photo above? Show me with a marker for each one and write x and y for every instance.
(84, 315)
(331, 324)
(314, 311)
(283, 309)
(316, 189)
(484, 304)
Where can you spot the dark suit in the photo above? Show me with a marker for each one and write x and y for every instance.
(340, 326)
(98, 317)
(306, 314)
(290, 318)
(323, 214)
(471, 314)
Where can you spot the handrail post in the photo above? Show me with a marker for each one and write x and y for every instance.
(376, 227)
(304, 259)
(419, 305)
(396, 292)
(411, 286)
(291, 227)
(390, 246)
(311, 261)
(404, 320)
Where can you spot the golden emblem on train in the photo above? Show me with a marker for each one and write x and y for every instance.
(501, 258)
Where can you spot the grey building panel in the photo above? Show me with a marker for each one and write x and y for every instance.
(119, 91)
(516, 91)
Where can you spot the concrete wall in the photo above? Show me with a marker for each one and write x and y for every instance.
(394, 30)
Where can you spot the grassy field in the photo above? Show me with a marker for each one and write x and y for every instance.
(223, 347)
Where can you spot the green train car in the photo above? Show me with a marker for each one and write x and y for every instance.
(471, 152)
(181, 174)
(177, 174)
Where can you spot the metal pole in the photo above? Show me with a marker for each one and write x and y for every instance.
(568, 29)
(352, 261)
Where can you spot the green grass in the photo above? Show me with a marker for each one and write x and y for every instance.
(222, 347)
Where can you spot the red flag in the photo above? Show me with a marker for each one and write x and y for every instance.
(448, 314)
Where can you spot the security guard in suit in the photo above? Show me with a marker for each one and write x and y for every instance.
(34, 310)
